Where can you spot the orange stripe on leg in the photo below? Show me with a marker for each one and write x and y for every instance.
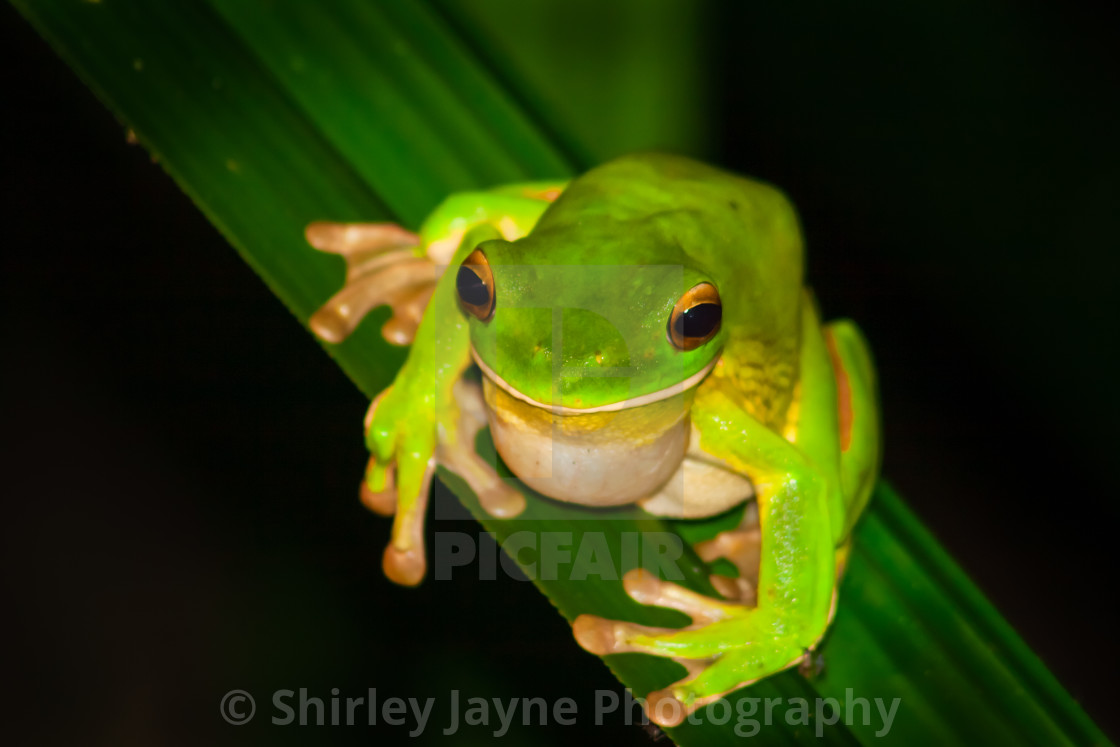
(843, 392)
(549, 195)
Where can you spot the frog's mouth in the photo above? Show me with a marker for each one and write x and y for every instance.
(603, 456)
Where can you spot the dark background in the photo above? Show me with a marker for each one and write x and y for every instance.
(182, 458)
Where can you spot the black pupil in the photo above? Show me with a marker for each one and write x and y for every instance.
(700, 320)
(471, 288)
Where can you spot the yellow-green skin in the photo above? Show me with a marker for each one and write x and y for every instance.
(789, 404)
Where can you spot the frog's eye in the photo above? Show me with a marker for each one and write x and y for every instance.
(696, 317)
(475, 284)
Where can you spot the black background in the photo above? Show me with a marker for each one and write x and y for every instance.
(182, 457)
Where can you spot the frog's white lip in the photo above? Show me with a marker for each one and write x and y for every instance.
(625, 404)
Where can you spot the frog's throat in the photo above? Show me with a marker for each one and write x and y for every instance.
(599, 456)
(626, 404)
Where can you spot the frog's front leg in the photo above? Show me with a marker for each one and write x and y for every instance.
(729, 644)
(429, 415)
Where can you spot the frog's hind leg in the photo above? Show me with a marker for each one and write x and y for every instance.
(713, 668)
(859, 414)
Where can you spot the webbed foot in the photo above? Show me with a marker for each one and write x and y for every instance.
(383, 266)
(727, 646)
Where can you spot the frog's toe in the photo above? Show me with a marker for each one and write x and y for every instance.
(595, 634)
(497, 497)
(736, 589)
(382, 267)
(671, 705)
(382, 503)
(743, 548)
(404, 559)
(351, 238)
(405, 567)
(379, 489)
(407, 313)
(602, 637)
(695, 641)
(646, 588)
(399, 280)
(664, 709)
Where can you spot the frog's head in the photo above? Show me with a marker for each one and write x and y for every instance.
(589, 366)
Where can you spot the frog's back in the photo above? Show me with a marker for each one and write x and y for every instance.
(719, 218)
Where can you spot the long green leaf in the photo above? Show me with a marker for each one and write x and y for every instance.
(274, 114)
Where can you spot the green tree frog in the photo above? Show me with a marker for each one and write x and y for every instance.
(644, 336)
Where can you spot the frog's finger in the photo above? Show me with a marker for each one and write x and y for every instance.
(497, 497)
(743, 548)
(381, 428)
(387, 285)
(349, 238)
(381, 435)
(404, 562)
(367, 421)
(379, 489)
(407, 312)
(740, 546)
(646, 588)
